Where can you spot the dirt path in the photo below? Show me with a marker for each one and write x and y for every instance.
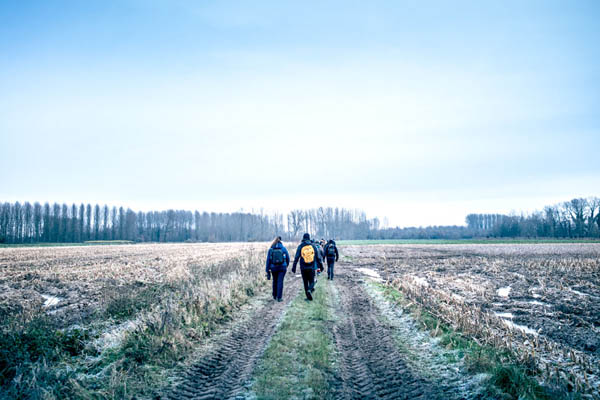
(371, 365)
(224, 371)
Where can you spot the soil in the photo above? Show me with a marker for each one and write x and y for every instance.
(224, 371)
(370, 364)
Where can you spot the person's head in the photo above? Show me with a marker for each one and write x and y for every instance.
(306, 236)
(275, 241)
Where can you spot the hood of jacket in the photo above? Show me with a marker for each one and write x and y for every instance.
(277, 245)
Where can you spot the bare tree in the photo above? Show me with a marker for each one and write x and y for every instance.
(97, 219)
(105, 217)
(88, 222)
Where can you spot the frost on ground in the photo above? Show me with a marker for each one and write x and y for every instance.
(50, 300)
(371, 273)
(424, 352)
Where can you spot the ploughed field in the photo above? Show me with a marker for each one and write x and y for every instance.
(74, 283)
(197, 321)
(540, 300)
(91, 319)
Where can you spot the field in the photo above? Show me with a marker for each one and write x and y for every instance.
(447, 321)
(542, 301)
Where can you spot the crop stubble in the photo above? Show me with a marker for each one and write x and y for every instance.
(85, 278)
(550, 316)
(554, 291)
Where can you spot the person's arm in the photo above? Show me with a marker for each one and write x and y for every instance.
(287, 257)
(268, 261)
(296, 258)
(337, 255)
(268, 269)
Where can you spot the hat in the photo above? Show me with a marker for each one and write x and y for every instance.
(306, 236)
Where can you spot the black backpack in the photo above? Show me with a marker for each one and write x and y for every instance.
(331, 250)
(277, 257)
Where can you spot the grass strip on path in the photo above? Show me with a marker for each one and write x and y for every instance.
(299, 361)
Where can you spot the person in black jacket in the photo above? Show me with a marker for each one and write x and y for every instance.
(278, 259)
(310, 260)
(331, 252)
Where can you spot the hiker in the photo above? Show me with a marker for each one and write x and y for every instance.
(321, 247)
(331, 252)
(321, 254)
(309, 259)
(278, 259)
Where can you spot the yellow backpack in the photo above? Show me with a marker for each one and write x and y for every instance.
(308, 254)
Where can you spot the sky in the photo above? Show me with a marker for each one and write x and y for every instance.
(419, 112)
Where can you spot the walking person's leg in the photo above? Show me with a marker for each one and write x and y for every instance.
(305, 280)
(311, 279)
(280, 277)
(274, 276)
(328, 268)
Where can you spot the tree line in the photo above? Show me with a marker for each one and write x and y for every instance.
(577, 218)
(62, 223)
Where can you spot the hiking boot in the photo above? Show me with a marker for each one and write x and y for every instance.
(279, 300)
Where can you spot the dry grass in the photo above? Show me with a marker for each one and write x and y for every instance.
(115, 319)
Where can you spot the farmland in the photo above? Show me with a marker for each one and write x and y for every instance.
(399, 321)
(80, 315)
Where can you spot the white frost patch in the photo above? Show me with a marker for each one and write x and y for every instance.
(536, 303)
(504, 315)
(50, 300)
(578, 292)
(114, 337)
(503, 292)
(370, 273)
(536, 295)
(506, 318)
(521, 328)
(421, 281)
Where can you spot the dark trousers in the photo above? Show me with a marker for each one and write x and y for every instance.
(278, 283)
(330, 263)
(308, 278)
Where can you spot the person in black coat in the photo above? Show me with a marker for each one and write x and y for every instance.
(278, 259)
(332, 255)
(310, 260)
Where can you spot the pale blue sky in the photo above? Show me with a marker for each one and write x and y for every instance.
(418, 111)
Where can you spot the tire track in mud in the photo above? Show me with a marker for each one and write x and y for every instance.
(224, 372)
(371, 366)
